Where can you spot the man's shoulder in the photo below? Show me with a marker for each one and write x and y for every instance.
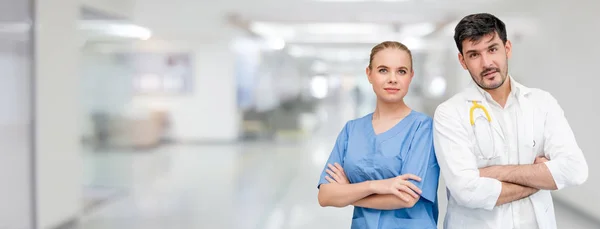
(453, 102)
(543, 101)
(539, 94)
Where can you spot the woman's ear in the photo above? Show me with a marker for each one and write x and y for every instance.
(368, 72)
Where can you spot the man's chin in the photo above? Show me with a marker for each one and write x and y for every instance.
(492, 86)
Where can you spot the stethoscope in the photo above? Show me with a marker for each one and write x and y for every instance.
(475, 106)
(478, 106)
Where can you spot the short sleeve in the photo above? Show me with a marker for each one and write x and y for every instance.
(421, 161)
(337, 154)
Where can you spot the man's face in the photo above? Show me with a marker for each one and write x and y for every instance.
(486, 60)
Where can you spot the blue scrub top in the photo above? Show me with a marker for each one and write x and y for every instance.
(405, 148)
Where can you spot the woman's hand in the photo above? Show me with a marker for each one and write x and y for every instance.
(396, 185)
(336, 174)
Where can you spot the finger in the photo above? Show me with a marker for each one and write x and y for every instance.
(334, 169)
(401, 195)
(408, 191)
(333, 175)
(411, 176)
(413, 187)
(339, 167)
(330, 180)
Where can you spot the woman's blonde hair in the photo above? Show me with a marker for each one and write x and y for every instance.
(389, 44)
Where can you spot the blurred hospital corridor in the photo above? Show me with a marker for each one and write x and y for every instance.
(254, 185)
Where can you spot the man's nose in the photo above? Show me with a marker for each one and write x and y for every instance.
(486, 61)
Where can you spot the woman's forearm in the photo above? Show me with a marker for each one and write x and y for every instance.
(342, 195)
(385, 202)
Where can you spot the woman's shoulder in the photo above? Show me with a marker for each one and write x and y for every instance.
(358, 122)
(422, 119)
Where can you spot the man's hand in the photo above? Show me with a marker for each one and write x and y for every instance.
(336, 174)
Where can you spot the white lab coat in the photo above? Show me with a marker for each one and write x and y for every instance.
(542, 130)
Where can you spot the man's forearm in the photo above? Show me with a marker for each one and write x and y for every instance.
(384, 202)
(536, 176)
(512, 192)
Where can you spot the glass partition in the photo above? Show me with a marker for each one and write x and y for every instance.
(16, 119)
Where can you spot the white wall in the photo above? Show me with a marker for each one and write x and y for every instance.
(58, 153)
(210, 113)
(563, 59)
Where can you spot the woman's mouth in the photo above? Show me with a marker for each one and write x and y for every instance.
(392, 90)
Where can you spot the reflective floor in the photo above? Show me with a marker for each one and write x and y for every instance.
(241, 186)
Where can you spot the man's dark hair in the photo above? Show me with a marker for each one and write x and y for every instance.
(473, 27)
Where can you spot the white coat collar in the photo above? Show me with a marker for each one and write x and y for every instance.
(474, 92)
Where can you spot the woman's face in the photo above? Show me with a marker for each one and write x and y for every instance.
(390, 74)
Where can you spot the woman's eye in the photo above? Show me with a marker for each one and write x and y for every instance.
(382, 70)
(402, 72)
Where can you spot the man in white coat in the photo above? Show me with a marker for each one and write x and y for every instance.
(502, 147)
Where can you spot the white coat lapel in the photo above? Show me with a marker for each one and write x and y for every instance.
(525, 121)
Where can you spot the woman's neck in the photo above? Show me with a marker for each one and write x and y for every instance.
(387, 111)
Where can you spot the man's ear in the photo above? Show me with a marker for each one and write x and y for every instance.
(508, 47)
(461, 59)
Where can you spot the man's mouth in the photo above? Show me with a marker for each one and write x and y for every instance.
(489, 73)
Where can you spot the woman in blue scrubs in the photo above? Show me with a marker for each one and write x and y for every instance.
(384, 163)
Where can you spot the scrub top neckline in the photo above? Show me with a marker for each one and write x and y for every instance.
(392, 131)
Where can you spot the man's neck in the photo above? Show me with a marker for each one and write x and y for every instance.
(500, 95)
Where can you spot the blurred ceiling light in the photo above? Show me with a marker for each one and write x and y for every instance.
(341, 0)
(124, 30)
(340, 33)
(293, 31)
(361, 0)
(343, 28)
(265, 29)
(343, 39)
(275, 43)
(437, 86)
(318, 86)
(418, 30)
